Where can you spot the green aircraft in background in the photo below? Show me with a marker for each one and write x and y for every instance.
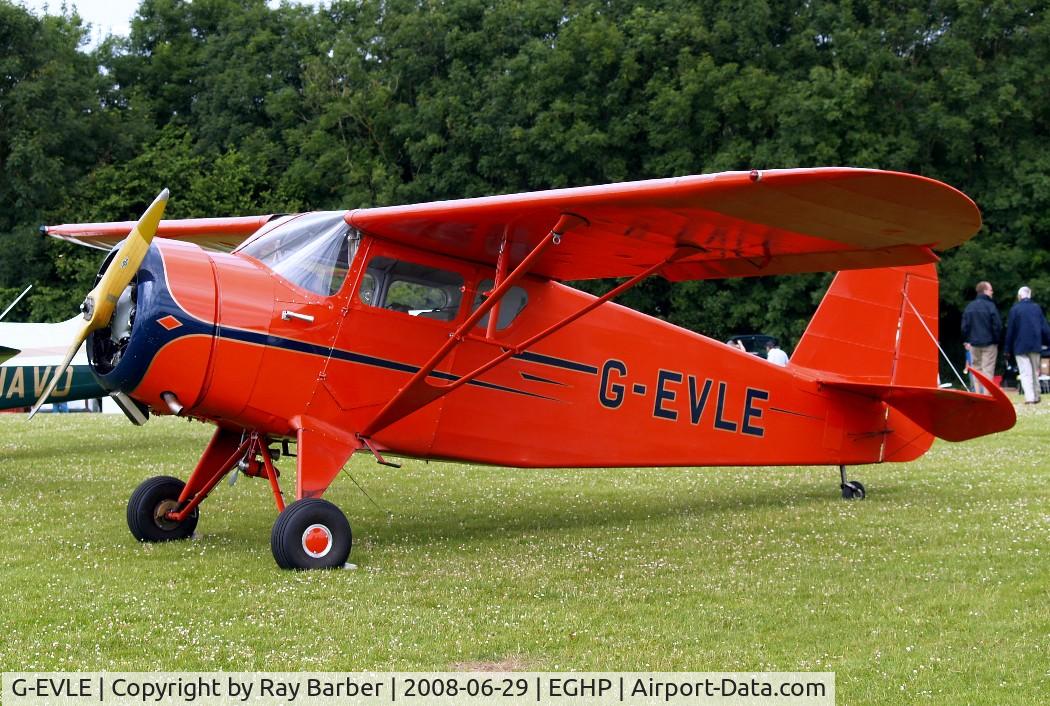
(29, 354)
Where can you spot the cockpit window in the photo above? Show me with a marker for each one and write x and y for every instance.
(416, 290)
(510, 306)
(312, 251)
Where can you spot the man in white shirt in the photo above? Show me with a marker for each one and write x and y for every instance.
(774, 355)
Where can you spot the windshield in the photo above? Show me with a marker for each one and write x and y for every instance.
(313, 250)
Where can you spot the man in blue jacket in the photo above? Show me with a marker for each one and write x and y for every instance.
(1026, 334)
(981, 330)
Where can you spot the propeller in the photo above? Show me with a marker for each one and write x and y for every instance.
(99, 304)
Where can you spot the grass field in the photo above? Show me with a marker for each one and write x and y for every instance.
(935, 589)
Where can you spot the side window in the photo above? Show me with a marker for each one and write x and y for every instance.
(416, 290)
(368, 288)
(513, 303)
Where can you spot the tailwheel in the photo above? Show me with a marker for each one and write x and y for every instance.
(311, 534)
(851, 489)
(148, 508)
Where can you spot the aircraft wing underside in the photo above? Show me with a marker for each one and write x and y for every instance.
(733, 224)
(219, 234)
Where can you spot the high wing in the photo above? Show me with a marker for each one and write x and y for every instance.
(733, 224)
(222, 234)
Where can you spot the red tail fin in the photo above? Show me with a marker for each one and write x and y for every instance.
(874, 335)
(867, 329)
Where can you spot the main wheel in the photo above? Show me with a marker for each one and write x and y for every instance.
(311, 534)
(853, 490)
(148, 505)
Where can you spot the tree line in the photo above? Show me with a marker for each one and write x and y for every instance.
(243, 108)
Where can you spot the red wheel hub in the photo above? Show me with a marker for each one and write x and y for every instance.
(317, 541)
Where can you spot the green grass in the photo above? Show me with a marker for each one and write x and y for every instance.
(934, 589)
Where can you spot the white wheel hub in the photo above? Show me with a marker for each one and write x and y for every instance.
(317, 541)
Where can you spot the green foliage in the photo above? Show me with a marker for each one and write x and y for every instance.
(240, 107)
(59, 120)
(207, 183)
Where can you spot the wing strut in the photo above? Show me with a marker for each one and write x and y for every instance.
(501, 274)
(418, 392)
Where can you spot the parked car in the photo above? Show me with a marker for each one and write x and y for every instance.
(754, 343)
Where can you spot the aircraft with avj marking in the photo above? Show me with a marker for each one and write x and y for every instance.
(29, 356)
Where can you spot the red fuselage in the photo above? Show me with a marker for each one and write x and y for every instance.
(234, 342)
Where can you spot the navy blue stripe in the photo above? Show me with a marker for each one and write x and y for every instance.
(537, 378)
(792, 412)
(557, 362)
(352, 357)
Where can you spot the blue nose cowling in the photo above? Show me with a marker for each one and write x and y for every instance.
(121, 366)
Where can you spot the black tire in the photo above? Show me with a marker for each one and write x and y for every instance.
(853, 490)
(311, 520)
(147, 506)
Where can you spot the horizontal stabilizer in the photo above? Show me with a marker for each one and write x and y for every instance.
(952, 415)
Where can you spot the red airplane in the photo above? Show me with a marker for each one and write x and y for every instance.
(442, 330)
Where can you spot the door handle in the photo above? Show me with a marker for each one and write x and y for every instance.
(287, 315)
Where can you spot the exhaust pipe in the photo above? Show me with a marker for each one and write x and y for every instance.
(173, 402)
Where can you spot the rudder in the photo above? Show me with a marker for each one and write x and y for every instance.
(868, 327)
(868, 330)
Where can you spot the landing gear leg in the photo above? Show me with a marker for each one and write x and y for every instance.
(165, 508)
(851, 489)
(312, 533)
